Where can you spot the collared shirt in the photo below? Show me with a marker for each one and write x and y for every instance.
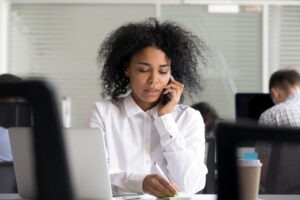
(5, 149)
(135, 139)
(284, 114)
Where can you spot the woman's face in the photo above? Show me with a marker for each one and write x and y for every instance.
(148, 72)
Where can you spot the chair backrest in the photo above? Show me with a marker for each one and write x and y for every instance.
(210, 187)
(283, 175)
(15, 114)
(8, 179)
(53, 180)
(12, 114)
(229, 136)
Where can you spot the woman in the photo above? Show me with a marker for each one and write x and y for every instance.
(141, 63)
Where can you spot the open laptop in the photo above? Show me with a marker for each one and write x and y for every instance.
(86, 157)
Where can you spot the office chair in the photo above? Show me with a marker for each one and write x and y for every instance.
(228, 138)
(283, 173)
(8, 179)
(210, 187)
(53, 179)
(15, 114)
(12, 114)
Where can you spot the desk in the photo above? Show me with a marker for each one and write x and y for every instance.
(196, 197)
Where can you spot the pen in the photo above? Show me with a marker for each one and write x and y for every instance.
(160, 171)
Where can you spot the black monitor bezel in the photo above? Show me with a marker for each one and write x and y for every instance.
(249, 106)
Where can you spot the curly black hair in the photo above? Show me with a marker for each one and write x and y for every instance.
(183, 48)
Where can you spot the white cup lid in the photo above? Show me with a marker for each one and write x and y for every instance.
(249, 163)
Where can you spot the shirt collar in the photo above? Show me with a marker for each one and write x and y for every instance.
(132, 108)
(293, 95)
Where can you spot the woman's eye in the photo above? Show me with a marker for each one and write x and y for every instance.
(163, 72)
(143, 70)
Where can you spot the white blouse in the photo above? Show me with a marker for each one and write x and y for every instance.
(135, 139)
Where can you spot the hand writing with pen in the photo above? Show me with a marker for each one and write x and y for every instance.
(159, 185)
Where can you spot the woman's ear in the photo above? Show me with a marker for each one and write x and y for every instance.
(126, 70)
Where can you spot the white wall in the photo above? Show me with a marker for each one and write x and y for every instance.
(4, 5)
(31, 53)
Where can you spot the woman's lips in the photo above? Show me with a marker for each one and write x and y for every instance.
(152, 92)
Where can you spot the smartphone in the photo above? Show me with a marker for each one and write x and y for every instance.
(166, 98)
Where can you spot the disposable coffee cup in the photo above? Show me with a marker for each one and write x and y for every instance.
(249, 178)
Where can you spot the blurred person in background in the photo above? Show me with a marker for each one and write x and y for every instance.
(5, 149)
(209, 115)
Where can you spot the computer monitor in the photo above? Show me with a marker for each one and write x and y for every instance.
(249, 106)
(16, 114)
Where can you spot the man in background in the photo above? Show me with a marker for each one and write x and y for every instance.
(284, 86)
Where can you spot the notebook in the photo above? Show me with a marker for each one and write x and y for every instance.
(86, 157)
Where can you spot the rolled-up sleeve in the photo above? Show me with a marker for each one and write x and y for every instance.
(183, 144)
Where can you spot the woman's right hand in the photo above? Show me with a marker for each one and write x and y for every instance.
(156, 185)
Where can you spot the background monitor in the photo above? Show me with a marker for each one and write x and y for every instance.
(249, 106)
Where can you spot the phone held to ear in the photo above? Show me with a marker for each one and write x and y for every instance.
(166, 98)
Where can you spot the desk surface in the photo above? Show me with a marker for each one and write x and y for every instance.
(196, 197)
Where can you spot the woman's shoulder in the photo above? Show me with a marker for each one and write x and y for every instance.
(186, 110)
(108, 104)
(104, 102)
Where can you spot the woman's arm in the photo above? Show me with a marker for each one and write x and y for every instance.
(183, 144)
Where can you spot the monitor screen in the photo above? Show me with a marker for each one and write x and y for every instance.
(249, 106)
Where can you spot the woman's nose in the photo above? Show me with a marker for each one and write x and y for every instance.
(153, 78)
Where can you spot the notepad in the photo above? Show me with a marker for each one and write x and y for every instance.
(179, 196)
(175, 198)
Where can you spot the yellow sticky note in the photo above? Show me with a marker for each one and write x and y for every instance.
(179, 196)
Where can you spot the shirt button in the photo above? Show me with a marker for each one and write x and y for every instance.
(171, 136)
